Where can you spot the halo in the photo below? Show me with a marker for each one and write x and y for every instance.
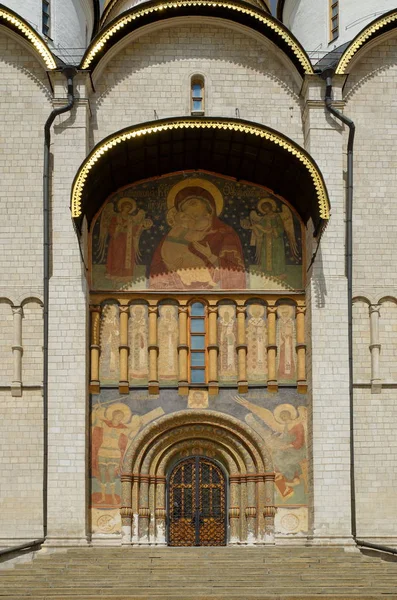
(256, 306)
(126, 200)
(267, 201)
(279, 409)
(226, 308)
(196, 182)
(289, 306)
(118, 406)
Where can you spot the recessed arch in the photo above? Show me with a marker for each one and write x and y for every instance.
(18, 25)
(387, 22)
(241, 451)
(238, 12)
(234, 148)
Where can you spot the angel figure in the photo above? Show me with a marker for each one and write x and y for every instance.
(119, 235)
(285, 434)
(113, 428)
(268, 226)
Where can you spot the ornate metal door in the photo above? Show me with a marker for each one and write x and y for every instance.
(197, 504)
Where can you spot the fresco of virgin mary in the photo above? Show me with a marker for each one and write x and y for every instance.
(199, 251)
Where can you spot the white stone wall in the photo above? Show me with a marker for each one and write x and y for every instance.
(369, 94)
(309, 21)
(24, 106)
(328, 345)
(152, 74)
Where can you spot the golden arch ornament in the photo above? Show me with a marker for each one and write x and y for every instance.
(104, 39)
(169, 125)
(15, 22)
(242, 453)
(363, 37)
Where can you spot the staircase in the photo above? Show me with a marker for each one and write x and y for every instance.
(203, 573)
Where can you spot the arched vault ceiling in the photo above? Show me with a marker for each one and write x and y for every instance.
(17, 24)
(235, 148)
(238, 12)
(376, 28)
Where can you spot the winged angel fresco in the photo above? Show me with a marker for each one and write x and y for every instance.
(119, 235)
(285, 432)
(268, 226)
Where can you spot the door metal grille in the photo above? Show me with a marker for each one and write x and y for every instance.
(197, 504)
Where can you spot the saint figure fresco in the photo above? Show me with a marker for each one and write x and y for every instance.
(168, 333)
(227, 343)
(109, 342)
(138, 334)
(256, 334)
(286, 342)
(200, 251)
(268, 226)
(284, 431)
(119, 236)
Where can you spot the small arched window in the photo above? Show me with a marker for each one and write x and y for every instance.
(334, 19)
(197, 95)
(46, 18)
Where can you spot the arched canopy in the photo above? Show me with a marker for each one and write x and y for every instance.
(385, 23)
(234, 148)
(15, 23)
(238, 12)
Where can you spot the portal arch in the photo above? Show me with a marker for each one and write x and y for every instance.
(240, 450)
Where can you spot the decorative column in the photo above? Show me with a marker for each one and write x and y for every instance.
(242, 382)
(234, 509)
(269, 510)
(124, 386)
(95, 348)
(144, 511)
(126, 510)
(160, 511)
(301, 349)
(272, 385)
(153, 351)
(183, 349)
(213, 349)
(375, 347)
(250, 511)
(17, 350)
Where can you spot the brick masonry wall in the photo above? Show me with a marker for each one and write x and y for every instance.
(24, 106)
(153, 72)
(370, 102)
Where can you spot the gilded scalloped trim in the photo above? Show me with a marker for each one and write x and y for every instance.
(32, 36)
(78, 187)
(128, 18)
(360, 40)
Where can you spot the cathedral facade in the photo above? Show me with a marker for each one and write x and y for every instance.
(198, 299)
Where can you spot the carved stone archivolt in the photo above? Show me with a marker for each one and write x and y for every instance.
(242, 453)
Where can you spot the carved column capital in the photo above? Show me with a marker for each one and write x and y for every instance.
(95, 308)
(17, 310)
(374, 308)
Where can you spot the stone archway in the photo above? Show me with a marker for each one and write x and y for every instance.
(240, 450)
